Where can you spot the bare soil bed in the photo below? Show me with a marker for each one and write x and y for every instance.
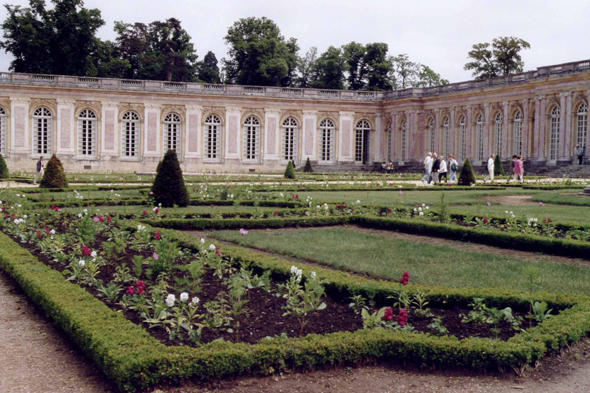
(513, 200)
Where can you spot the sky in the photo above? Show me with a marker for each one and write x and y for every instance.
(436, 33)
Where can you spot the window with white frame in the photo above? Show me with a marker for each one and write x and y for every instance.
(130, 135)
(479, 138)
(213, 138)
(431, 135)
(2, 131)
(172, 132)
(42, 132)
(251, 139)
(554, 134)
(447, 134)
(404, 140)
(87, 134)
(582, 124)
(462, 139)
(327, 140)
(498, 141)
(389, 141)
(518, 133)
(362, 127)
(290, 128)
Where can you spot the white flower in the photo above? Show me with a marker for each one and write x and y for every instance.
(427, 208)
(212, 247)
(184, 297)
(93, 254)
(195, 301)
(325, 206)
(506, 212)
(511, 213)
(419, 209)
(18, 195)
(423, 205)
(81, 263)
(281, 196)
(421, 213)
(18, 206)
(52, 232)
(85, 210)
(415, 210)
(202, 241)
(154, 209)
(170, 300)
(296, 272)
(140, 228)
(312, 275)
(25, 216)
(79, 215)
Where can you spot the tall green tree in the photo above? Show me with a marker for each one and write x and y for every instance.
(330, 68)
(259, 54)
(306, 68)
(428, 78)
(57, 41)
(405, 72)
(502, 58)
(107, 61)
(354, 56)
(377, 67)
(208, 69)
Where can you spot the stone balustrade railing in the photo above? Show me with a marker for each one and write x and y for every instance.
(285, 92)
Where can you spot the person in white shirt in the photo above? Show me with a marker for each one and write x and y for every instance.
(454, 167)
(490, 168)
(427, 167)
(442, 170)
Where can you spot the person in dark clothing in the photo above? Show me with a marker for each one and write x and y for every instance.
(40, 170)
(581, 153)
(435, 169)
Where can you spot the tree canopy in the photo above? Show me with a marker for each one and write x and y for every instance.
(503, 58)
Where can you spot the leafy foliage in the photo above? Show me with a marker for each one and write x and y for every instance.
(498, 167)
(208, 69)
(168, 188)
(54, 176)
(307, 168)
(502, 59)
(4, 173)
(290, 171)
(467, 175)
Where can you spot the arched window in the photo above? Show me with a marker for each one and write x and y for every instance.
(462, 139)
(290, 128)
(447, 134)
(251, 139)
(213, 138)
(389, 142)
(518, 133)
(327, 140)
(431, 135)
(130, 135)
(582, 124)
(362, 131)
(479, 138)
(498, 128)
(87, 134)
(404, 140)
(42, 132)
(172, 132)
(554, 137)
(2, 131)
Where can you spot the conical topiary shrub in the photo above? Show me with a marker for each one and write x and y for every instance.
(467, 176)
(498, 168)
(4, 173)
(307, 167)
(290, 171)
(168, 188)
(54, 176)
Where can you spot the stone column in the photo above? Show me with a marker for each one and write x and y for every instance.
(309, 138)
(272, 135)
(569, 132)
(525, 128)
(378, 140)
(437, 131)
(152, 140)
(66, 127)
(587, 129)
(111, 142)
(565, 112)
(193, 143)
(536, 150)
(452, 148)
(346, 137)
(412, 135)
(20, 134)
(486, 132)
(506, 148)
(395, 137)
(468, 136)
(233, 146)
(420, 136)
(542, 129)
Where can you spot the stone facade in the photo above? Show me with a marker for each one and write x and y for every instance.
(127, 125)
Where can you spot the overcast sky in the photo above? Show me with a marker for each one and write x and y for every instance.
(433, 32)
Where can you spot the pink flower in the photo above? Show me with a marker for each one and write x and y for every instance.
(388, 314)
(145, 213)
(155, 256)
(86, 252)
(96, 219)
(157, 210)
(38, 234)
(243, 231)
(402, 318)
(485, 220)
(130, 290)
(109, 219)
(540, 203)
(405, 278)
(489, 204)
(401, 192)
(158, 235)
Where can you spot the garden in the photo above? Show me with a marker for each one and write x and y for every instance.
(215, 276)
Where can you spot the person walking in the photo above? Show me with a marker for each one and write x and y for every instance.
(454, 165)
(40, 170)
(427, 167)
(581, 153)
(442, 170)
(434, 169)
(519, 169)
(490, 168)
(577, 153)
(512, 162)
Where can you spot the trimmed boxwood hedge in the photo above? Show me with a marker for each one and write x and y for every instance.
(135, 361)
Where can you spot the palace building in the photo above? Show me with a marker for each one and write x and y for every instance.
(101, 124)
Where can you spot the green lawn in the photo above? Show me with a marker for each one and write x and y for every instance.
(385, 257)
(179, 210)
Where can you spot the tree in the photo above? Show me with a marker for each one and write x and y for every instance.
(306, 67)
(107, 61)
(354, 56)
(54, 176)
(290, 171)
(168, 188)
(428, 78)
(208, 69)
(502, 59)
(467, 175)
(307, 168)
(259, 54)
(330, 68)
(4, 173)
(405, 72)
(377, 67)
(56, 41)
(498, 167)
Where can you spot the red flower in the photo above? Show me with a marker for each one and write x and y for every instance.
(145, 213)
(38, 234)
(212, 205)
(388, 314)
(86, 252)
(109, 219)
(140, 284)
(3, 208)
(158, 235)
(405, 278)
(101, 218)
(47, 231)
(402, 318)
(130, 290)
(276, 213)
(485, 220)
(157, 210)
(5, 216)
(389, 211)
(219, 254)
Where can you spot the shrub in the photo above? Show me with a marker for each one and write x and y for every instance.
(467, 176)
(168, 188)
(308, 167)
(4, 174)
(498, 167)
(54, 176)
(290, 171)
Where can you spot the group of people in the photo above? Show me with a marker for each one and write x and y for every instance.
(516, 168)
(580, 152)
(436, 168)
(386, 168)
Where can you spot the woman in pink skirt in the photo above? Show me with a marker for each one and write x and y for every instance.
(519, 169)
